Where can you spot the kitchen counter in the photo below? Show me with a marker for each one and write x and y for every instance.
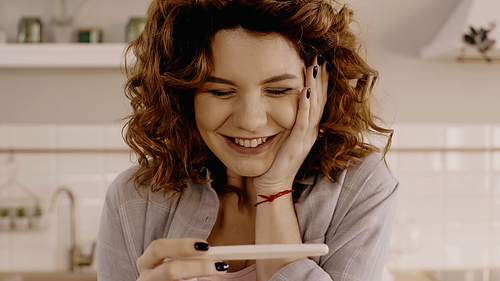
(47, 276)
(410, 276)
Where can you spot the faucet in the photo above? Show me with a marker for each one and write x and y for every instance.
(77, 258)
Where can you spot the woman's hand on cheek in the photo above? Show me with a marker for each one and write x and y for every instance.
(152, 267)
(303, 135)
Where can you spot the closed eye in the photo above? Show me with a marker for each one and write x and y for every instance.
(221, 93)
(279, 92)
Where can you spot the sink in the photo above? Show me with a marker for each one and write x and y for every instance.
(48, 276)
(464, 275)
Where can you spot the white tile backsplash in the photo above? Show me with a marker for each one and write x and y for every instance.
(468, 161)
(32, 136)
(495, 136)
(83, 165)
(495, 233)
(433, 212)
(422, 186)
(417, 163)
(467, 209)
(85, 190)
(81, 136)
(4, 138)
(468, 136)
(470, 233)
(113, 136)
(430, 257)
(117, 162)
(468, 185)
(420, 136)
(35, 163)
(5, 259)
(496, 161)
(495, 257)
(449, 201)
(495, 209)
(38, 259)
(496, 185)
(466, 256)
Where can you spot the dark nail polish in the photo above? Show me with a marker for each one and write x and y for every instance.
(201, 246)
(321, 60)
(308, 94)
(221, 266)
(315, 71)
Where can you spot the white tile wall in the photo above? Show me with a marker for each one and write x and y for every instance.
(32, 136)
(468, 136)
(84, 158)
(449, 202)
(451, 191)
(419, 136)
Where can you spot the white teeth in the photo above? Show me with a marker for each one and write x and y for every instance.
(250, 142)
(253, 143)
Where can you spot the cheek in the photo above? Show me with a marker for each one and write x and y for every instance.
(208, 115)
(285, 111)
(200, 113)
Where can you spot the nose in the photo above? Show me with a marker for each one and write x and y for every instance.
(251, 113)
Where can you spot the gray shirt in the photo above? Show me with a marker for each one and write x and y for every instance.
(352, 215)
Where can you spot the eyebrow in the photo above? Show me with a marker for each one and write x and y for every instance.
(277, 78)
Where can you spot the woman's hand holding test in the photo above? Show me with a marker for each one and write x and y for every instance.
(152, 267)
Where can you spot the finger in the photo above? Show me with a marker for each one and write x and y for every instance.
(314, 82)
(160, 249)
(302, 118)
(185, 269)
(323, 80)
(306, 118)
(319, 86)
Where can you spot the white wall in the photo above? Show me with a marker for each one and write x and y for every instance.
(410, 89)
(62, 96)
(433, 90)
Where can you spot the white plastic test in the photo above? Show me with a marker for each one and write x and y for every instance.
(269, 251)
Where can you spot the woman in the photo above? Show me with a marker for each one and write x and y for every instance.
(248, 120)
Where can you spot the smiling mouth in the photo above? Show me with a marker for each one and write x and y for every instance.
(249, 142)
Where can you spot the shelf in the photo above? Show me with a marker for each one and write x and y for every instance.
(52, 55)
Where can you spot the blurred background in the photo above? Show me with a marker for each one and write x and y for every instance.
(62, 104)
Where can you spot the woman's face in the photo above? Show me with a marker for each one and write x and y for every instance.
(245, 112)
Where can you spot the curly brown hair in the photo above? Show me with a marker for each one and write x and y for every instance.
(173, 58)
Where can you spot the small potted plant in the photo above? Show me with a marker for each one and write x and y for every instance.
(21, 220)
(479, 39)
(36, 219)
(5, 220)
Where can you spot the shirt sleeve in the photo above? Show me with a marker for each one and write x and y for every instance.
(113, 259)
(359, 233)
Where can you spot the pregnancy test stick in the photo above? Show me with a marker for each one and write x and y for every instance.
(269, 251)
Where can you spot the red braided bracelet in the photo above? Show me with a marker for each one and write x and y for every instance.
(272, 197)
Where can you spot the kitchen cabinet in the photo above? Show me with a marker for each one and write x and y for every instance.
(54, 55)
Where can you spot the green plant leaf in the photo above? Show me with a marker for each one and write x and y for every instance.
(4, 212)
(483, 34)
(469, 39)
(473, 30)
(21, 212)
